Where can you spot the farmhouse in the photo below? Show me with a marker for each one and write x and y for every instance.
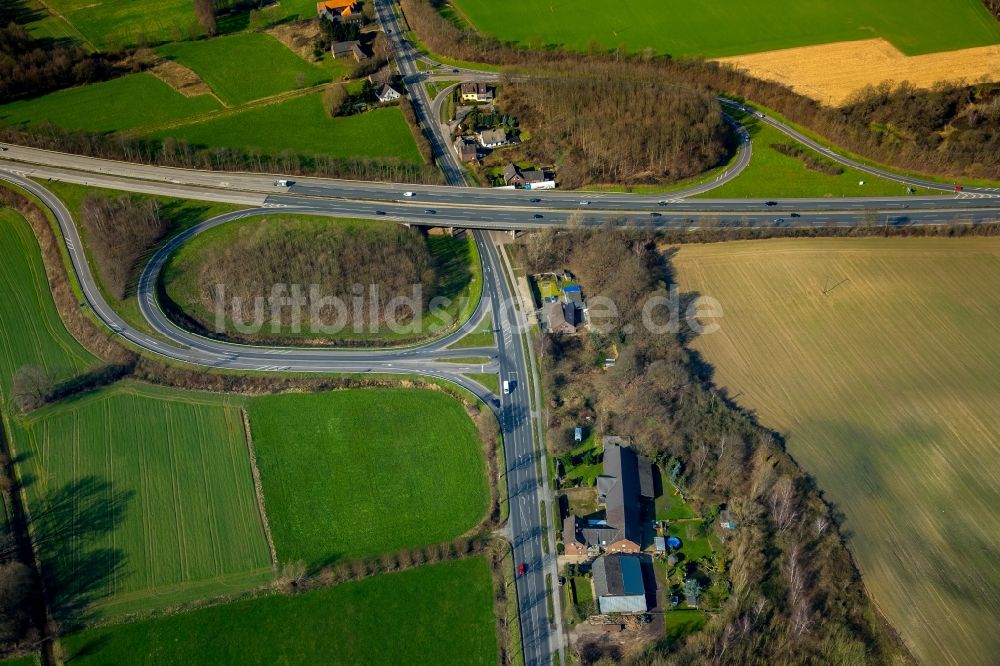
(466, 149)
(386, 93)
(626, 482)
(337, 10)
(476, 91)
(492, 138)
(351, 49)
(618, 584)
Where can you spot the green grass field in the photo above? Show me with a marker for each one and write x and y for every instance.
(367, 472)
(142, 497)
(245, 66)
(878, 358)
(300, 124)
(774, 174)
(130, 22)
(730, 27)
(31, 332)
(434, 614)
(672, 507)
(125, 103)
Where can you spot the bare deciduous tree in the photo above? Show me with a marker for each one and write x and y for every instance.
(204, 11)
(32, 387)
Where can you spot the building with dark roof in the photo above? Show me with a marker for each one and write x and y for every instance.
(351, 49)
(466, 149)
(618, 584)
(626, 481)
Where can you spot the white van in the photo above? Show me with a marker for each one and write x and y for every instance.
(282, 183)
(506, 387)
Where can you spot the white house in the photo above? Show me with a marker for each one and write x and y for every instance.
(492, 138)
(386, 93)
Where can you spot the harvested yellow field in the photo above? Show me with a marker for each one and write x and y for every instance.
(829, 73)
(879, 361)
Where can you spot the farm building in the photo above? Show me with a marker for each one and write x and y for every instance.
(626, 481)
(618, 584)
(386, 93)
(476, 91)
(492, 138)
(351, 49)
(337, 10)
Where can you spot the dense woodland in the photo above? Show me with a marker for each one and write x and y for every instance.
(120, 230)
(994, 7)
(599, 128)
(957, 132)
(29, 67)
(334, 257)
(796, 595)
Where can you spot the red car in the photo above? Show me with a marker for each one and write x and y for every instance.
(521, 568)
(958, 188)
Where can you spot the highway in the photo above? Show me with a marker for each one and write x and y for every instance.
(527, 489)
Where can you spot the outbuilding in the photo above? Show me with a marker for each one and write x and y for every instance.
(618, 584)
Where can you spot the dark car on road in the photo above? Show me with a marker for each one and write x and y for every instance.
(535, 200)
(796, 215)
(654, 214)
(770, 203)
(380, 212)
(430, 211)
(537, 216)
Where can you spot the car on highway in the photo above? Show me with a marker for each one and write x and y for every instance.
(537, 216)
(655, 214)
(284, 183)
(3, 148)
(584, 203)
(535, 200)
(779, 220)
(430, 211)
(380, 212)
(770, 203)
(958, 188)
(454, 71)
(796, 215)
(662, 203)
(522, 569)
(409, 194)
(506, 387)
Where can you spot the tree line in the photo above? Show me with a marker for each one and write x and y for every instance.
(179, 153)
(958, 132)
(795, 593)
(30, 67)
(602, 129)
